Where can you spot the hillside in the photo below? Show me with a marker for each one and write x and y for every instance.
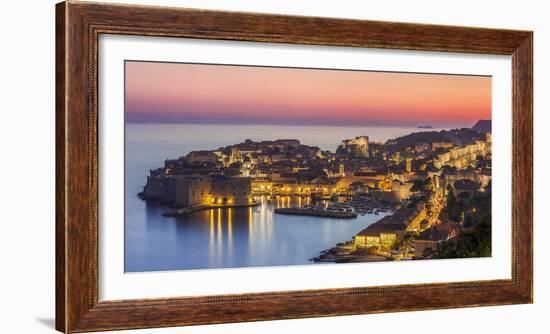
(458, 137)
(483, 125)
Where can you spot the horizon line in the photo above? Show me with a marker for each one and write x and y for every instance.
(418, 125)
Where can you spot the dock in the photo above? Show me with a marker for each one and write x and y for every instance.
(316, 213)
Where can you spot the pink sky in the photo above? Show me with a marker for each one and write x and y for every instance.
(196, 93)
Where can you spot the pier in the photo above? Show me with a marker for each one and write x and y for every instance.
(316, 212)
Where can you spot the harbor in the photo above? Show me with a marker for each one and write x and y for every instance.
(281, 202)
(350, 207)
(317, 211)
(228, 237)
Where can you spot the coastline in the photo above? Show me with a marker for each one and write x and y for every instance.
(349, 183)
(346, 253)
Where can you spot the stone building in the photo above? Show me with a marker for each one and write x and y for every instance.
(189, 191)
(390, 229)
(371, 179)
(357, 188)
(178, 191)
(354, 148)
(464, 156)
(396, 192)
(444, 145)
(231, 190)
(480, 177)
(202, 156)
(376, 235)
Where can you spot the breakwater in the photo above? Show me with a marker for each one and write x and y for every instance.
(316, 212)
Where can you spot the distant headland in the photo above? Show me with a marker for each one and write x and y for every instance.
(483, 126)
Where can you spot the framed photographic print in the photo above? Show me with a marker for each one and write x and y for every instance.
(222, 166)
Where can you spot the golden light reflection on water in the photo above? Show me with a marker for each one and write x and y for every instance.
(250, 225)
(219, 236)
(259, 221)
(211, 245)
(183, 245)
(230, 232)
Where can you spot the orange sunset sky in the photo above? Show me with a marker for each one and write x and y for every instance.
(225, 94)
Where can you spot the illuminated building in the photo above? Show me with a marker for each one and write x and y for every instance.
(391, 229)
(189, 191)
(354, 148)
(408, 165)
(464, 156)
(231, 190)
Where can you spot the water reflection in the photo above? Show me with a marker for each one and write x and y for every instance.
(235, 237)
(221, 238)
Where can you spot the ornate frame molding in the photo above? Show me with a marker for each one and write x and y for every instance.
(78, 27)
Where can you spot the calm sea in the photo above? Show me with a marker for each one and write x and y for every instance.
(223, 238)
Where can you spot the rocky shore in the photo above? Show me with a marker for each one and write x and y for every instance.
(347, 253)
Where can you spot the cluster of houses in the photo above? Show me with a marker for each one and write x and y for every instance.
(462, 170)
(413, 220)
(235, 175)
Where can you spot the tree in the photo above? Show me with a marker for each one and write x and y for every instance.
(476, 243)
(464, 196)
(423, 186)
(452, 206)
(468, 220)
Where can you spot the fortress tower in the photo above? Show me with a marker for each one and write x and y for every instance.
(355, 148)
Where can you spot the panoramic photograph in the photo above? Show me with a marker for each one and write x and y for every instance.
(233, 166)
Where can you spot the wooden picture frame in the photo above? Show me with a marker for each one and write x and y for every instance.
(78, 26)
